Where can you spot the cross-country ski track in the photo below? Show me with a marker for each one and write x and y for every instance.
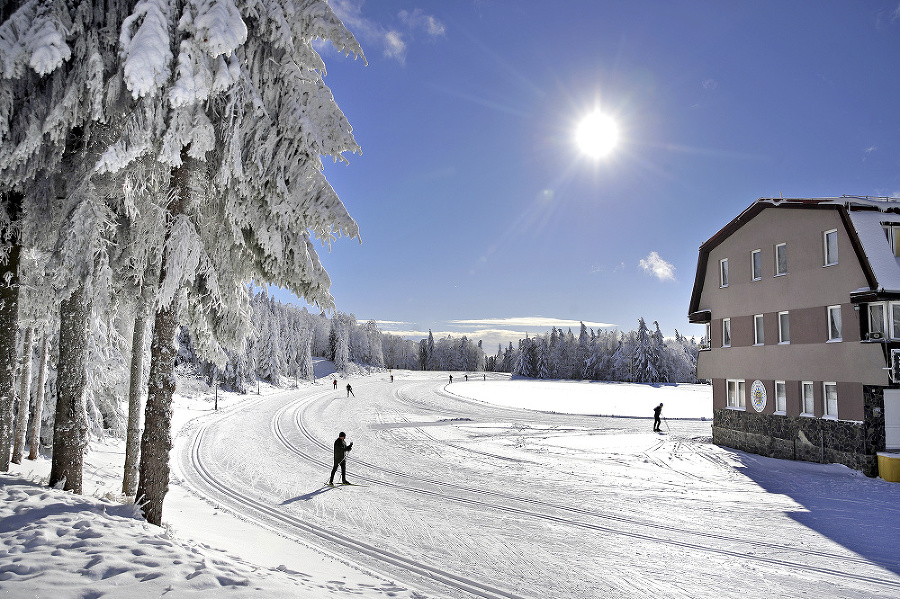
(462, 498)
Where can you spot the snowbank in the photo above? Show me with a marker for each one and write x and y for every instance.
(590, 397)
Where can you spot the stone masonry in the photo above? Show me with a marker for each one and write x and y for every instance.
(854, 444)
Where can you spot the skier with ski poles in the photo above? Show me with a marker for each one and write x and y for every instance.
(341, 447)
(657, 414)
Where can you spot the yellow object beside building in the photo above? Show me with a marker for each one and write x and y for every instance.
(889, 466)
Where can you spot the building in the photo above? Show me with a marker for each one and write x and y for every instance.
(801, 299)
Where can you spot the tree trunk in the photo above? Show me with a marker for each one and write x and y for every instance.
(156, 442)
(35, 444)
(9, 318)
(70, 426)
(24, 396)
(133, 440)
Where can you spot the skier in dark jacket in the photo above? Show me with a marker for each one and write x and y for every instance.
(350, 391)
(340, 458)
(657, 413)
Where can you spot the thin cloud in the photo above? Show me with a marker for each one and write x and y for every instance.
(389, 38)
(530, 322)
(394, 46)
(710, 84)
(659, 268)
(417, 19)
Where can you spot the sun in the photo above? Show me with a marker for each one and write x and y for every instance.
(597, 135)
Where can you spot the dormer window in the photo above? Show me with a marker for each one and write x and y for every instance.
(892, 234)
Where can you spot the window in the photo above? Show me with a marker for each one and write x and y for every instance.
(735, 394)
(780, 259)
(780, 397)
(723, 272)
(706, 341)
(808, 399)
(892, 234)
(876, 321)
(831, 249)
(834, 323)
(830, 394)
(726, 332)
(759, 337)
(756, 264)
(784, 327)
(895, 320)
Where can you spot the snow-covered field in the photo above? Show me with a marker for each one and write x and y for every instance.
(491, 488)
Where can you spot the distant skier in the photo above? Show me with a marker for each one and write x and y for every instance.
(451, 378)
(392, 378)
(350, 391)
(340, 458)
(657, 415)
(335, 384)
(467, 378)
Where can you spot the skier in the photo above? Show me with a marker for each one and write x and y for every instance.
(657, 413)
(350, 391)
(451, 378)
(335, 384)
(341, 447)
(467, 378)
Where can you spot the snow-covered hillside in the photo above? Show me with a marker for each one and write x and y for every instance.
(462, 493)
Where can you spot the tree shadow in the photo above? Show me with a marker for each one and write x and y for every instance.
(860, 513)
(308, 496)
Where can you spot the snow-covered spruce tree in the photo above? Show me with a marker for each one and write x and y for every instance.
(376, 348)
(430, 362)
(59, 62)
(247, 117)
(270, 362)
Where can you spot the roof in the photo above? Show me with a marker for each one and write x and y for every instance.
(862, 217)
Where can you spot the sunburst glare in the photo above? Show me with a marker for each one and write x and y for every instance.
(597, 135)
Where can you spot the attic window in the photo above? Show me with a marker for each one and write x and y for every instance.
(892, 234)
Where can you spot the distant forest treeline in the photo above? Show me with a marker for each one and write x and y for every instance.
(286, 337)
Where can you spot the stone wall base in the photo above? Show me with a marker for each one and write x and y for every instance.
(799, 438)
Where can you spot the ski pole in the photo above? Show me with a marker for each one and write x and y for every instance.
(667, 424)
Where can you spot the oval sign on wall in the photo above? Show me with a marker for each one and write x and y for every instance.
(758, 396)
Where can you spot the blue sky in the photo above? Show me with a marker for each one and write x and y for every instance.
(479, 215)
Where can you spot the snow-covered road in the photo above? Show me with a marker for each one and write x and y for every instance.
(461, 498)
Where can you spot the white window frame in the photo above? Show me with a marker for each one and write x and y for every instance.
(756, 265)
(882, 326)
(726, 332)
(804, 385)
(735, 394)
(890, 232)
(829, 259)
(895, 330)
(831, 320)
(780, 398)
(759, 333)
(708, 336)
(723, 273)
(830, 411)
(782, 338)
(779, 248)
